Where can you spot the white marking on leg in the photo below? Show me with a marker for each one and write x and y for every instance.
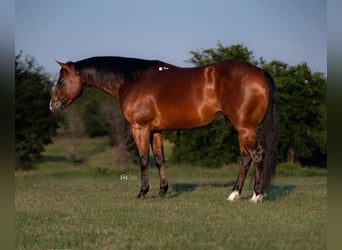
(256, 198)
(234, 196)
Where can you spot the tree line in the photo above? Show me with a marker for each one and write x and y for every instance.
(302, 117)
(34, 124)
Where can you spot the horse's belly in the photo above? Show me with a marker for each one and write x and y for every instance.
(180, 117)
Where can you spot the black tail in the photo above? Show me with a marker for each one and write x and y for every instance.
(268, 138)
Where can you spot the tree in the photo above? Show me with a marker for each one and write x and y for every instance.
(34, 123)
(213, 55)
(302, 113)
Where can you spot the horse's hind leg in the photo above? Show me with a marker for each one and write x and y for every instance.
(158, 154)
(247, 141)
(257, 157)
(245, 164)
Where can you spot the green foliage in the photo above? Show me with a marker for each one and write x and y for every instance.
(211, 146)
(296, 170)
(302, 113)
(213, 55)
(101, 116)
(34, 123)
(302, 116)
(89, 107)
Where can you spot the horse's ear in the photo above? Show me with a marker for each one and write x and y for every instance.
(63, 65)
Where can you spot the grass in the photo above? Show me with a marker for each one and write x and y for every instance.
(87, 206)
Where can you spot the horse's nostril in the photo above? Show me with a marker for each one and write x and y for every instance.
(58, 105)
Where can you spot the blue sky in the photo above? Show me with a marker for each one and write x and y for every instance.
(292, 31)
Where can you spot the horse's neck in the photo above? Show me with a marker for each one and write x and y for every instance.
(108, 88)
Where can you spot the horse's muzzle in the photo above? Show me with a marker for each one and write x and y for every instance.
(55, 107)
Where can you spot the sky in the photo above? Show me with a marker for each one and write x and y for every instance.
(292, 31)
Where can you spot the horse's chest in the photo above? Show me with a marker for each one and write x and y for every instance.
(139, 111)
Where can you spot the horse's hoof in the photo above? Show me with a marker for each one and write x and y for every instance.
(256, 198)
(161, 194)
(162, 191)
(235, 195)
(140, 196)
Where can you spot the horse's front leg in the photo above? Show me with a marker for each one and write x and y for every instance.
(141, 137)
(158, 154)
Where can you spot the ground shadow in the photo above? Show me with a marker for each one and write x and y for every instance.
(274, 193)
(181, 188)
(279, 191)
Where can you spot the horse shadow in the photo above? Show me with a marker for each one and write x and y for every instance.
(275, 192)
(181, 188)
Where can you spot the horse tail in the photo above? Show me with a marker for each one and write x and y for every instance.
(268, 137)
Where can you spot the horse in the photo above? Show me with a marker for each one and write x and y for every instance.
(155, 96)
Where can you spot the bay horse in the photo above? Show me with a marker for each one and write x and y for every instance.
(155, 96)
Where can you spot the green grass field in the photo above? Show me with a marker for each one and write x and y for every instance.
(87, 206)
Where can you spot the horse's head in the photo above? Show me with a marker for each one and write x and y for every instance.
(67, 89)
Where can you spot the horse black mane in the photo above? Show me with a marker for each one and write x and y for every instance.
(110, 69)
